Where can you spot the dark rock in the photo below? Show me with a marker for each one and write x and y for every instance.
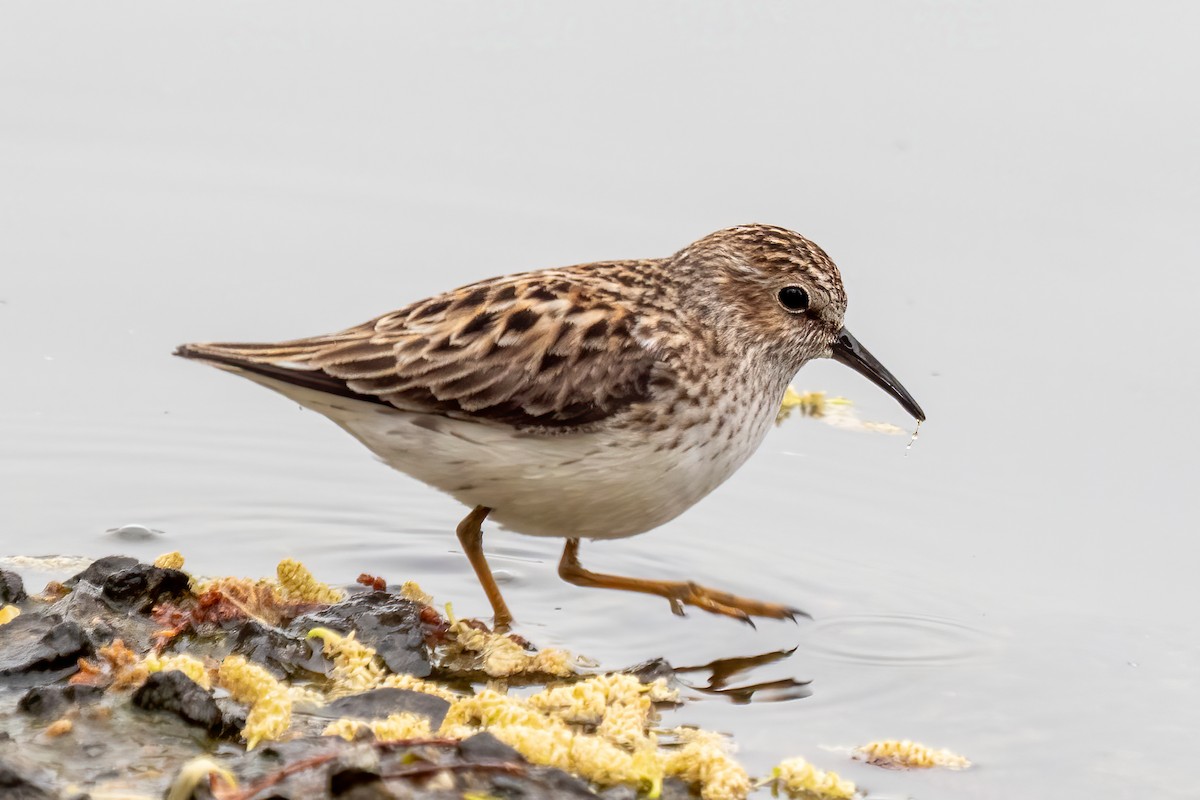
(12, 589)
(44, 701)
(41, 643)
(233, 714)
(85, 607)
(355, 783)
(672, 789)
(652, 670)
(287, 653)
(388, 623)
(20, 784)
(379, 703)
(141, 586)
(176, 693)
(538, 784)
(675, 789)
(486, 747)
(100, 569)
(564, 784)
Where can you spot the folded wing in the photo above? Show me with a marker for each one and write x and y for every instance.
(538, 351)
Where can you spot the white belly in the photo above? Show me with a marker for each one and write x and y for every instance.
(599, 485)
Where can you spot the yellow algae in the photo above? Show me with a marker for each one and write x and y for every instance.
(807, 404)
(193, 774)
(584, 702)
(394, 728)
(172, 560)
(905, 754)
(415, 684)
(411, 591)
(797, 776)
(347, 729)
(194, 668)
(355, 665)
(356, 668)
(555, 662)
(619, 705)
(549, 741)
(302, 695)
(501, 657)
(8, 614)
(269, 701)
(836, 411)
(297, 583)
(549, 747)
(625, 722)
(704, 761)
(607, 764)
(490, 708)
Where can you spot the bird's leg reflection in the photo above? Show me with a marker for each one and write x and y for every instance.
(723, 670)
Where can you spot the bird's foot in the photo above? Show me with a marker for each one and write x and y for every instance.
(715, 601)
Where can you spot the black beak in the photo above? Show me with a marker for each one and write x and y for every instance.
(848, 351)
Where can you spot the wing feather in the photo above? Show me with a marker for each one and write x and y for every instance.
(546, 349)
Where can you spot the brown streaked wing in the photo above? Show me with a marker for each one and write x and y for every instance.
(531, 351)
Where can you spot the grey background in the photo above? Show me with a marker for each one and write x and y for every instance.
(1010, 190)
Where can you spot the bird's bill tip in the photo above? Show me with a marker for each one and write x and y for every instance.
(849, 351)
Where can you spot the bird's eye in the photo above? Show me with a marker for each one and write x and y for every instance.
(793, 298)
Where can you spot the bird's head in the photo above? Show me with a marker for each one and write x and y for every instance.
(770, 291)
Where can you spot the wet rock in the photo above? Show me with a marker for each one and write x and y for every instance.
(100, 569)
(317, 767)
(379, 703)
(486, 747)
(36, 645)
(93, 615)
(355, 775)
(12, 589)
(542, 783)
(176, 693)
(287, 653)
(141, 586)
(352, 783)
(652, 670)
(675, 789)
(45, 701)
(388, 623)
(85, 608)
(17, 782)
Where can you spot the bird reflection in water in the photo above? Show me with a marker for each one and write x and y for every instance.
(724, 676)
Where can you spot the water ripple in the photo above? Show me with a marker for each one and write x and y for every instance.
(897, 640)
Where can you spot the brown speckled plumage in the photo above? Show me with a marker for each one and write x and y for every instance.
(596, 401)
(557, 348)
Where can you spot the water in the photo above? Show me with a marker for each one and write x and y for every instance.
(1010, 191)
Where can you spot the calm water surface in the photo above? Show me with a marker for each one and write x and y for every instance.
(1009, 191)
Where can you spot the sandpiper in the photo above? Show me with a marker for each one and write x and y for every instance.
(589, 402)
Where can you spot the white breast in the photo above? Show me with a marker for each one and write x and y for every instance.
(605, 484)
